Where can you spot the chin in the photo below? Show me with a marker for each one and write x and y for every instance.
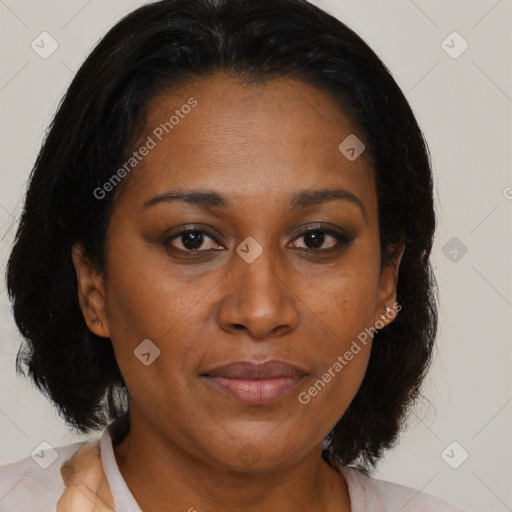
(257, 454)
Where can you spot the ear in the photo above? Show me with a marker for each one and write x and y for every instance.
(386, 296)
(91, 292)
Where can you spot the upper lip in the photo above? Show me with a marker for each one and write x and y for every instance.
(249, 370)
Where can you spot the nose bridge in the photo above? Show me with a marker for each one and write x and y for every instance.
(257, 268)
(259, 298)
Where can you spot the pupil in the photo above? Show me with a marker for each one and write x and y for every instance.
(316, 237)
(192, 240)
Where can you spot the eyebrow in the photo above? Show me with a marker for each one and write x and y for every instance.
(301, 199)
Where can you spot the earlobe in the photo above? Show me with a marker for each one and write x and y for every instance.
(91, 292)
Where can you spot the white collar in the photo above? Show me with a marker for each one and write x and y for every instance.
(123, 498)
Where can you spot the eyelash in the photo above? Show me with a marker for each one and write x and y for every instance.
(341, 240)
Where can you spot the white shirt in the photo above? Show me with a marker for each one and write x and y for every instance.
(25, 483)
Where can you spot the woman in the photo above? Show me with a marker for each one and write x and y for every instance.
(224, 260)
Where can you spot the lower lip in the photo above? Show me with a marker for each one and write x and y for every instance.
(255, 391)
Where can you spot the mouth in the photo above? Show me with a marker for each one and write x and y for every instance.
(253, 383)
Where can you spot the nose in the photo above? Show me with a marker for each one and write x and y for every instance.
(259, 298)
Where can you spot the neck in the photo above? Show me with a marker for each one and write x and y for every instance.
(159, 472)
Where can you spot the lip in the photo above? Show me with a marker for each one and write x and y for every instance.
(255, 383)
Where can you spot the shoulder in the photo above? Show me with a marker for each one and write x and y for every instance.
(35, 480)
(371, 494)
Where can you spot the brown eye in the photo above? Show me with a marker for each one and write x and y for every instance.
(318, 238)
(191, 240)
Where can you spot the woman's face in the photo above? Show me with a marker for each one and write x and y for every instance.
(248, 285)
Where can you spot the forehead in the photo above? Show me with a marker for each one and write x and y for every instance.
(248, 142)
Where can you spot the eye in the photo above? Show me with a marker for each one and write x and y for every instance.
(191, 240)
(315, 239)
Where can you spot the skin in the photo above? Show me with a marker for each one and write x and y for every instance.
(256, 145)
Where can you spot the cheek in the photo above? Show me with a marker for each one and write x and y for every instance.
(343, 314)
(143, 295)
(148, 300)
(340, 310)
(343, 297)
(327, 394)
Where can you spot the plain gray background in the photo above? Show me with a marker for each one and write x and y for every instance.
(463, 104)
